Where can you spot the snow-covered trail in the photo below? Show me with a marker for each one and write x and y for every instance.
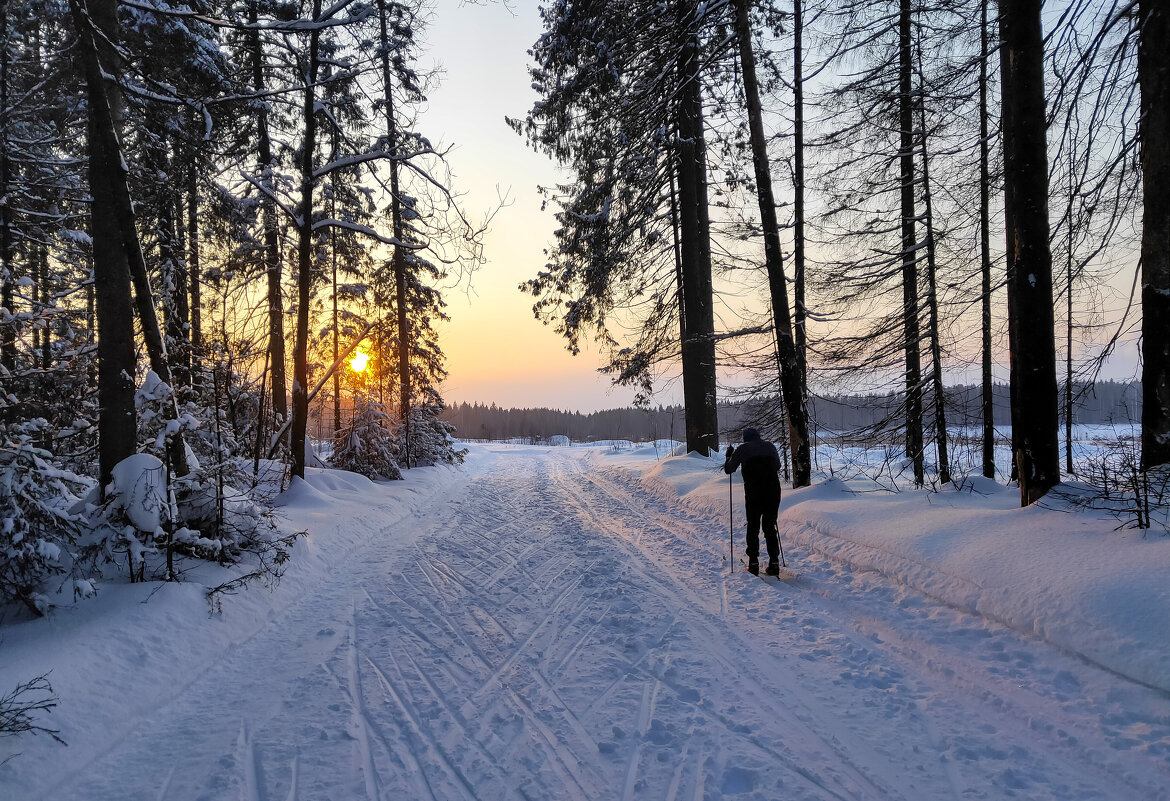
(551, 630)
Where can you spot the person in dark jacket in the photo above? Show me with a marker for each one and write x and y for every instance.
(761, 493)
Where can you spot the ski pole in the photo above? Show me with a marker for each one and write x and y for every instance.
(731, 520)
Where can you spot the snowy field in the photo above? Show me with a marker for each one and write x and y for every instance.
(563, 623)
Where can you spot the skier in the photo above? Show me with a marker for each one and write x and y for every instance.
(761, 494)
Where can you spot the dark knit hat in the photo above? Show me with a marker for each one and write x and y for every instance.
(749, 434)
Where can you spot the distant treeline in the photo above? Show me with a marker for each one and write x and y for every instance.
(1103, 402)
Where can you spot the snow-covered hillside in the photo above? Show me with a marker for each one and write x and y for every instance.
(562, 623)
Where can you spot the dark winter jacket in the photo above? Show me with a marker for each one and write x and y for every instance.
(761, 468)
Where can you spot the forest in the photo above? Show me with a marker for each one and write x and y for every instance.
(222, 225)
(1102, 403)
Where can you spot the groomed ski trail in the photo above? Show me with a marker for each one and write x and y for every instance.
(552, 630)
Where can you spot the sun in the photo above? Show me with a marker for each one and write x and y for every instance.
(359, 361)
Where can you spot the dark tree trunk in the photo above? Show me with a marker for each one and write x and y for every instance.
(7, 279)
(1031, 324)
(399, 258)
(911, 332)
(1068, 323)
(46, 300)
(272, 263)
(300, 394)
(193, 272)
(114, 310)
(791, 386)
(936, 371)
(698, 348)
(799, 317)
(1154, 78)
(986, 401)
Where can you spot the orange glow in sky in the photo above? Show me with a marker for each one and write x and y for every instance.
(359, 361)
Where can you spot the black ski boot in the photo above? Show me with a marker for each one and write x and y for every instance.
(754, 566)
(773, 568)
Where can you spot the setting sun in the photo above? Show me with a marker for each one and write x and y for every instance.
(359, 361)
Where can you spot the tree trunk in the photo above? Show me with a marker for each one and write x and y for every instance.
(1031, 330)
(1154, 133)
(300, 391)
(1068, 325)
(936, 372)
(698, 348)
(272, 263)
(909, 249)
(800, 332)
(399, 259)
(790, 380)
(114, 310)
(987, 400)
(193, 271)
(7, 279)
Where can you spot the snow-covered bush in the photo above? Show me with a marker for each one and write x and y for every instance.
(431, 439)
(367, 445)
(38, 534)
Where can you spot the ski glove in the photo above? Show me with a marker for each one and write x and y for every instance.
(730, 450)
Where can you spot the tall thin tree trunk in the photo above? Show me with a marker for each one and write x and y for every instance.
(300, 393)
(909, 249)
(336, 333)
(46, 301)
(272, 261)
(7, 278)
(1068, 323)
(789, 366)
(194, 273)
(399, 259)
(936, 371)
(987, 404)
(799, 315)
(1154, 78)
(114, 310)
(1031, 322)
(698, 348)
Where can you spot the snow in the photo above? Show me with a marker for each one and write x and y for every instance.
(562, 623)
(139, 486)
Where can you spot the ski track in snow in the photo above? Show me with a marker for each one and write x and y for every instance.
(557, 631)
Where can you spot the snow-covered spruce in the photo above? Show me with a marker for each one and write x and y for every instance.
(367, 445)
(38, 534)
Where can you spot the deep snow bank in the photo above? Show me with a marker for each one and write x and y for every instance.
(1061, 572)
(122, 655)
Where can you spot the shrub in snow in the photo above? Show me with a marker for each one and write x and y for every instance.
(366, 445)
(431, 439)
(558, 440)
(38, 534)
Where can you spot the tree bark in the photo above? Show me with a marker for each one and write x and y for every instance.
(272, 262)
(936, 372)
(698, 347)
(7, 279)
(300, 392)
(114, 310)
(1031, 325)
(194, 271)
(1154, 134)
(986, 400)
(800, 315)
(911, 333)
(791, 386)
(399, 258)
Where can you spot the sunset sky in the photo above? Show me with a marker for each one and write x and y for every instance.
(496, 350)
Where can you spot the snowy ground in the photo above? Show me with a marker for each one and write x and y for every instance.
(556, 623)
